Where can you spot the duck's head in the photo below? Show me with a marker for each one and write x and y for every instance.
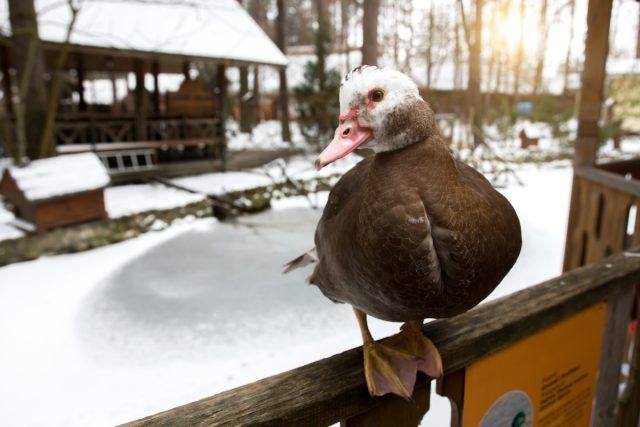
(380, 109)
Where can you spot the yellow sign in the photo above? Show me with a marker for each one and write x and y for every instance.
(545, 380)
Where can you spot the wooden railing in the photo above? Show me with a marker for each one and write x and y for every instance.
(606, 218)
(89, 129)
(333, 390)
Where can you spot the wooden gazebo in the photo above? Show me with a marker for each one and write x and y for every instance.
(111, 40)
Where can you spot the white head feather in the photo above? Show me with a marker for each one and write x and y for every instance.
(399, 90)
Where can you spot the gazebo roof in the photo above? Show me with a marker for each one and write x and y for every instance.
(162, 30)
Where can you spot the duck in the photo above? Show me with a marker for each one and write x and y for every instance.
(410, 232)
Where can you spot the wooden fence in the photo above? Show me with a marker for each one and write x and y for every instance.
(332, 390)
(604, 218)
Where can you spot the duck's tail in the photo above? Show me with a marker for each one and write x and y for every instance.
(309, 257)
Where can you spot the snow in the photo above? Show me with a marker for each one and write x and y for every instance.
(297, 167)
(61, 175)
(176, 315)
(218, 29)
(8, 231)
(265, 135)
(131, 199)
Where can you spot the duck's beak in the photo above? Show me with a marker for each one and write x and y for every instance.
(349, 136)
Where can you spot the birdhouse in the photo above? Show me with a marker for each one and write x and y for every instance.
(57, 191)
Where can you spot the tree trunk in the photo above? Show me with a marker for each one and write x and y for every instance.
(281, 42)
(429, 45)
(29, 63)
(344, 32)
(567, 60)
(517, 66)
(370, 32)
(537, 82)
(323, 39)
(457, 55)
(475, 76)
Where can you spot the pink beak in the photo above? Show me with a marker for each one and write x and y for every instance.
(349, 136)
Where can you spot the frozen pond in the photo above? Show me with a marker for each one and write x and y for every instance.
(110, 335)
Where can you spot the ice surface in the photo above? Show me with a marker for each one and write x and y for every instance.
(57, 176)
(120, 332)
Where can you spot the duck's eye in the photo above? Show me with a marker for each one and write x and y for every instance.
(377, 95)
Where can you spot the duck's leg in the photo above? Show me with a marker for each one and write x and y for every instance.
(386, 369)
(411, 340)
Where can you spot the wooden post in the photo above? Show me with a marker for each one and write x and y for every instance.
(629, 404)
(186, 66)
(80, 70)
(141, 101)
(6, 79)
(592, 87)
(221, 86)
(245, 123)
(451, 386)
(155, 70)
(615, 334)
(589, 102)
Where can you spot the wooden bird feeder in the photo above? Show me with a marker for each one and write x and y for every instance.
(54, 192)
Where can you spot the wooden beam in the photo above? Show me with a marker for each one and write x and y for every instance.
(141, 100)
(593, 75)
(333, 389)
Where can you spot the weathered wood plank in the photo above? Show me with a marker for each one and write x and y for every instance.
(333, 389)
(608, 383)
(397, 412)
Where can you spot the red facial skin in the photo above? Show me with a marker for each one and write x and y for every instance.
(348, 136)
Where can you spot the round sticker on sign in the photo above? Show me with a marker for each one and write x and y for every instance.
(512, 409)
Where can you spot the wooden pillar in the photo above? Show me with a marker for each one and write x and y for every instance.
(115, 107)
(221, 105)
(186, 66)
(591, 93)
(141, 101)
(589, 100)
(155, 70)
(6, 79)
(245, 122)
(80, 74)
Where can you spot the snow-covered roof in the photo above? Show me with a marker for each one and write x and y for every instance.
(216, 29)
(59, 176)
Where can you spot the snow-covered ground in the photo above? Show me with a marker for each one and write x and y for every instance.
(130, 199)
(116, 333)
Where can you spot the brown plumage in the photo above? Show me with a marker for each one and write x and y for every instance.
(414, 233)
(410, 232)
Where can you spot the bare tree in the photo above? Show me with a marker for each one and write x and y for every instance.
(542, 47)
(31, 107)
(430, 36)
(370, 32)
(281, 38)
(567, 60)
(517, 66)
(474, 43)
(47, 141)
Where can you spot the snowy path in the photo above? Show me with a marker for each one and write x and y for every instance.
(117, 333)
